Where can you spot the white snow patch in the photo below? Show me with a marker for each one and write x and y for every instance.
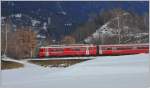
(34, 22)
(19, 15)
(41, 36)
(130, 71)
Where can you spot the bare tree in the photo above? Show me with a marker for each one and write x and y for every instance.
(68, 40)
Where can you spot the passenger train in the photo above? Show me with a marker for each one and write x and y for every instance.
(91, 50)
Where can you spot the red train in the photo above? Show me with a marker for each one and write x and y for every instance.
(92, 50)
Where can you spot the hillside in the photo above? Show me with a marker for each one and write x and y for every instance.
(58, 19)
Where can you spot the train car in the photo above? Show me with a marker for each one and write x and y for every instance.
(123, 49)
(68, 50)
(92, 50)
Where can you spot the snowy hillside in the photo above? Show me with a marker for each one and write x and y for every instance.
(113, 28)
(130, 71)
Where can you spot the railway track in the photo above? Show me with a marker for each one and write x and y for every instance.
(63, 58)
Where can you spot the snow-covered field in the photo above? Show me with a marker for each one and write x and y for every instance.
(130, 71)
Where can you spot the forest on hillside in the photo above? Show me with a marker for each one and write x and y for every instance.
(114, 22)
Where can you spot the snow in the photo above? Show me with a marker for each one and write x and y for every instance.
(40, 36)
(45, 26)
(129, 71)
(34, 22)
(104, 29)
(3, 18)
(19, 15)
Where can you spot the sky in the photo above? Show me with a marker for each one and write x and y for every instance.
(73, 6)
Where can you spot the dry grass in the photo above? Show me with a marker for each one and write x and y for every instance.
(10, 65)
(57, 63)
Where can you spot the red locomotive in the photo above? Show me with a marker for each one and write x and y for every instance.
(92, 50)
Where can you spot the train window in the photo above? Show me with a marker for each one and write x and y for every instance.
(110, 48)
(123, 48)
(114, 48)
(106, 48)
(83, 48)
(57, 50)
(76, 49)
(103, 48)
(92, 48)
(134, 47)
(143, 47)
